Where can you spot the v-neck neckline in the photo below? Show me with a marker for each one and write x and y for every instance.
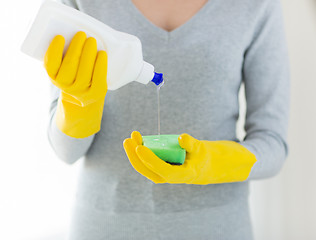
(166, 35)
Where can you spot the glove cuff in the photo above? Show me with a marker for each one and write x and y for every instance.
(79, 122)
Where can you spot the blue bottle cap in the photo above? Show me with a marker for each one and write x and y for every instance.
(158, 78)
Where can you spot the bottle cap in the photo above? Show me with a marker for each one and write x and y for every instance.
(158, 78)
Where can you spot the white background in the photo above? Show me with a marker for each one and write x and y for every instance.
(36, 189)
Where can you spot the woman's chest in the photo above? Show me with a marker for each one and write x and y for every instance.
(208, 48)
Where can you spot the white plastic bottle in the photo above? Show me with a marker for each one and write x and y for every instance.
(125, 58)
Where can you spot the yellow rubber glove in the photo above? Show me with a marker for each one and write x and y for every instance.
(207, 162)
(81, 77)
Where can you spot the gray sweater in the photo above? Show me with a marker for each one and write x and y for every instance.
(204, 62)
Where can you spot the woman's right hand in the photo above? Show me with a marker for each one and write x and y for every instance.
(81, 77)
(81, 73)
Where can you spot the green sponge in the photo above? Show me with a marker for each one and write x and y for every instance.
(166, 147)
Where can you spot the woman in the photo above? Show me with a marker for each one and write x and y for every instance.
(205, 50)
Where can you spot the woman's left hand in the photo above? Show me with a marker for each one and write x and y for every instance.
(207, 162)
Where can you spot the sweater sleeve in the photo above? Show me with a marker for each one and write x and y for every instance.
(267, 89)
(68, 149)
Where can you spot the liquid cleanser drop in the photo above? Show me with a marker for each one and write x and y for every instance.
(125, 58)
